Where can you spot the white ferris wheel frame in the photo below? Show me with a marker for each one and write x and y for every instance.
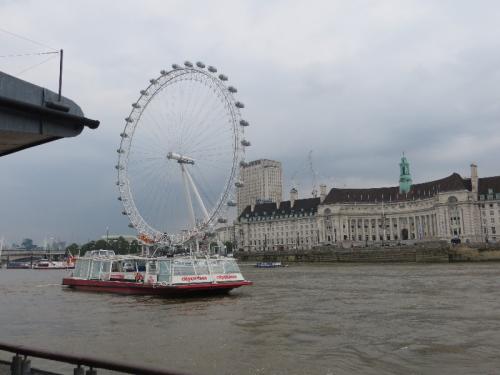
(227, 197)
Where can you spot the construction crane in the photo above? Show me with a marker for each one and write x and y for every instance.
(314, 191)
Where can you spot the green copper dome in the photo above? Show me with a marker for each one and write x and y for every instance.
(404, 175)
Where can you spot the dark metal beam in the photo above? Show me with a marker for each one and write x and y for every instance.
(44, 113)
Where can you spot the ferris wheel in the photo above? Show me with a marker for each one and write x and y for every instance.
(179, 154)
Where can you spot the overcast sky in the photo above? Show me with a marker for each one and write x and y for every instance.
(358, 82)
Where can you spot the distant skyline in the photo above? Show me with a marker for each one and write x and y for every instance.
(357, 82)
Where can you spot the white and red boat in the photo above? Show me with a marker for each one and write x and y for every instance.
(45, 264)
(103, 271)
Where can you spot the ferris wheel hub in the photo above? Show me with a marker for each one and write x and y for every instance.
(181, 159)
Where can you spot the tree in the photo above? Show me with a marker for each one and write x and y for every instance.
(87, 247)
(134, 247)
(101, 244)
(73, 249)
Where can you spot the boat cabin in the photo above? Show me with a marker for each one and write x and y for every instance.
(106, 266)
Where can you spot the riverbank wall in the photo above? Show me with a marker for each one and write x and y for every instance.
(438, 252)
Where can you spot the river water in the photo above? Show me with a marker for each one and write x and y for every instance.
(303, 319)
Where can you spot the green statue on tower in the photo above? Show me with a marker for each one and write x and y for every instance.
(404, 175)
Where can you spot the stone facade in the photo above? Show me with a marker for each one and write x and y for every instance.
(225, 234)
(290, 224)
(465, 209)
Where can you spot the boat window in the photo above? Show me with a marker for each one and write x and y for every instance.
(106, 266)
(84, 268)
(95, 270)
(78, 268)
(141, 266)
(164, 270)
(230, 266)
(116, 267)
(152, 267)
(216, 266)
(183, 268)
(128, 266)
(201, 267)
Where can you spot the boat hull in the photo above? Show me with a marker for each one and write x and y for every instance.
(123, 287)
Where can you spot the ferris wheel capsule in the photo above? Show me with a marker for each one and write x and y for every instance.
(136, 105)
(239, 184)
(129, 119)
(245, 143)
(221, 220)
(175, 66)
(163, 72)
(212, 69)
(200, 65)
(131, 225)
(239, 105)
(124, 213)
(222, 77)
(188, 64)
(232, 89)
(244, 123)
(124, 135)
(231, 203)
(144, 92)
(152, 81)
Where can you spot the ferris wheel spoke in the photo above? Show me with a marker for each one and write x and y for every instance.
(207, 142)
(207, 135)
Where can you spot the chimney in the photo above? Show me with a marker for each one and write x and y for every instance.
(294, 195)
(322, 193)
(473, 179)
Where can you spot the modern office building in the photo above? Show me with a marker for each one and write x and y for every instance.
(262, 183)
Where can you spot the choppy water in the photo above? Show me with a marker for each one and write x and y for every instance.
(308, 319)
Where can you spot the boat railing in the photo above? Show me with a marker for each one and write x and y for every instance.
(21, 362)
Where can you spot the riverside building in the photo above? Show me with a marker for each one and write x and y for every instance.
(449, 208)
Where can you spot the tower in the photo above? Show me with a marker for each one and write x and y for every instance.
(262, 182)
(404, 175)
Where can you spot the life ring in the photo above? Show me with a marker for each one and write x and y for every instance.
(139, 277)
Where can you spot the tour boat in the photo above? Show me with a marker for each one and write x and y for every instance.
(103, 271)
(268, 265)
(45, 264)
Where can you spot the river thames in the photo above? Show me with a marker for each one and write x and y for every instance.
(303, 319)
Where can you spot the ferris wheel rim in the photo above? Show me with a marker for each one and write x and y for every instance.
(133, 120)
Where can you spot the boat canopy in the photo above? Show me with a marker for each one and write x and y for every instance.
(168, 267)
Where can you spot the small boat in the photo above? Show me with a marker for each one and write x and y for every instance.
(103, 271)
(18, 265)
(269, 265)
(45, 264)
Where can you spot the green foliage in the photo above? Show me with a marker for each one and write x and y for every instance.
(87, 247)
(135, 247)
(73, 249)
(119, 246)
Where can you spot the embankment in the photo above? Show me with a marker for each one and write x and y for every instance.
(438, 252)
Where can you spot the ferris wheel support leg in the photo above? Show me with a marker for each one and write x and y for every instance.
(197, 195)
(188, 195)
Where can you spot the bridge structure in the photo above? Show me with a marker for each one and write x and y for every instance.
(20, 255)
